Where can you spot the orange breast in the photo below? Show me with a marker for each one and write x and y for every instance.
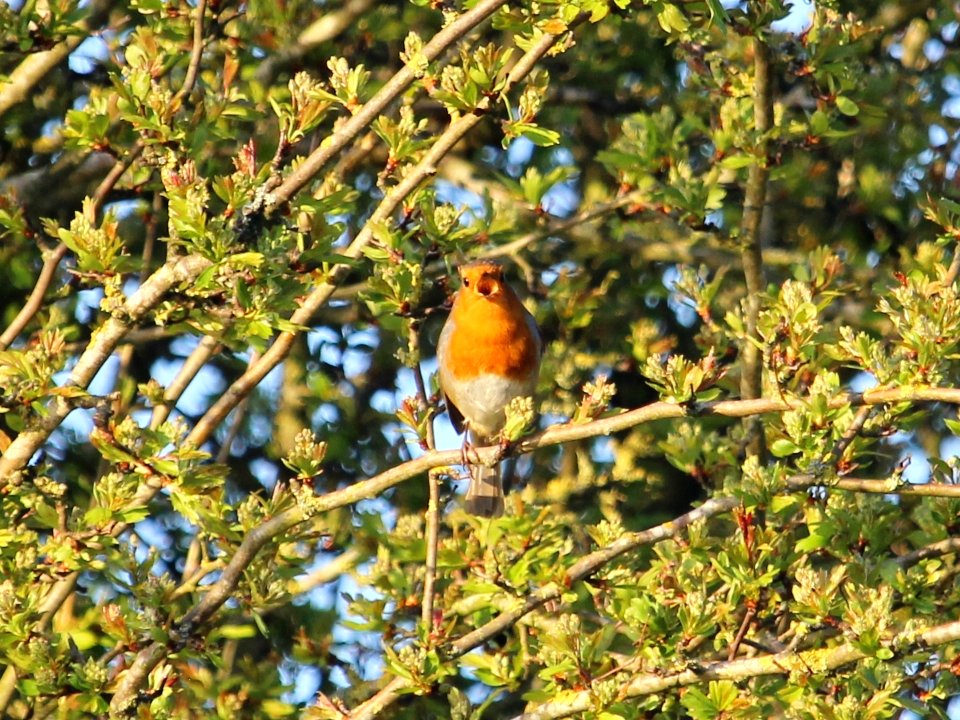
(491, 338)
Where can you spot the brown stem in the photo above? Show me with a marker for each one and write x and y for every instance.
(432, 519)
(50, 265)
(195, 55)
(433, 541)
(937, 549)
(207, 347)
(954, 268)
(751, 378)
(35, 301)
(742, 633)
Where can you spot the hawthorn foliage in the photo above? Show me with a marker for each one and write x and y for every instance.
(229, 237)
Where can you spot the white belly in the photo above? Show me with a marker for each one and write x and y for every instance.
(481, 400)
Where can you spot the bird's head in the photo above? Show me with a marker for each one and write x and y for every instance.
(483, 278)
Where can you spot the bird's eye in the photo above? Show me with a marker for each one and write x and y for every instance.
(466, 282)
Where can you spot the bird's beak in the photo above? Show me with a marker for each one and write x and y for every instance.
(487, 285)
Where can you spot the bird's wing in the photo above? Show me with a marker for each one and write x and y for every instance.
(532, 324)
(456, 417)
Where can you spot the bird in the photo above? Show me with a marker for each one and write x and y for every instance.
(488, 354)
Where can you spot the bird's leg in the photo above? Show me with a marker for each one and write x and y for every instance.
(466, 450)
(505, 445)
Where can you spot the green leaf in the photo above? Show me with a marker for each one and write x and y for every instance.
(672, 20)
(540, 136)
(783, 447)
(847, 106)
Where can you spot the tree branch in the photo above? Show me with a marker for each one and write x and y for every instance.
(222, 589)
(890, 486)
(55, 256)
(359, 122)
(196, 55)
(19, 83)
(783, 663)
(751, 378)
(580, 570)
(102, 345)
(328, 26)
(937, 549)
(188, 371)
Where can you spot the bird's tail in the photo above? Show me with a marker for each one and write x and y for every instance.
(485, 495)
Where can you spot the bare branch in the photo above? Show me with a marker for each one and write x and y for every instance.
(891, 486)
(195, 55)
(206, 349)
(35, 301)
(944, 547)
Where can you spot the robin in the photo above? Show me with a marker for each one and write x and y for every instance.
(488, 354)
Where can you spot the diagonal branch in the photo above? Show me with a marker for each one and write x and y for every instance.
(20, 82)
(359, 122)
(55, 256)
(783, 663)
(103, 344)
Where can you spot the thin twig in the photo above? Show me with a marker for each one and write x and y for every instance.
(206, 349)
(195, 56)
(558, 227)
(432, 519)
(326, 573)
(223, 454)
(863, 414)
(55, 256)
(937, 549)
(741, 634)
(35, 301)
(954, 268)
